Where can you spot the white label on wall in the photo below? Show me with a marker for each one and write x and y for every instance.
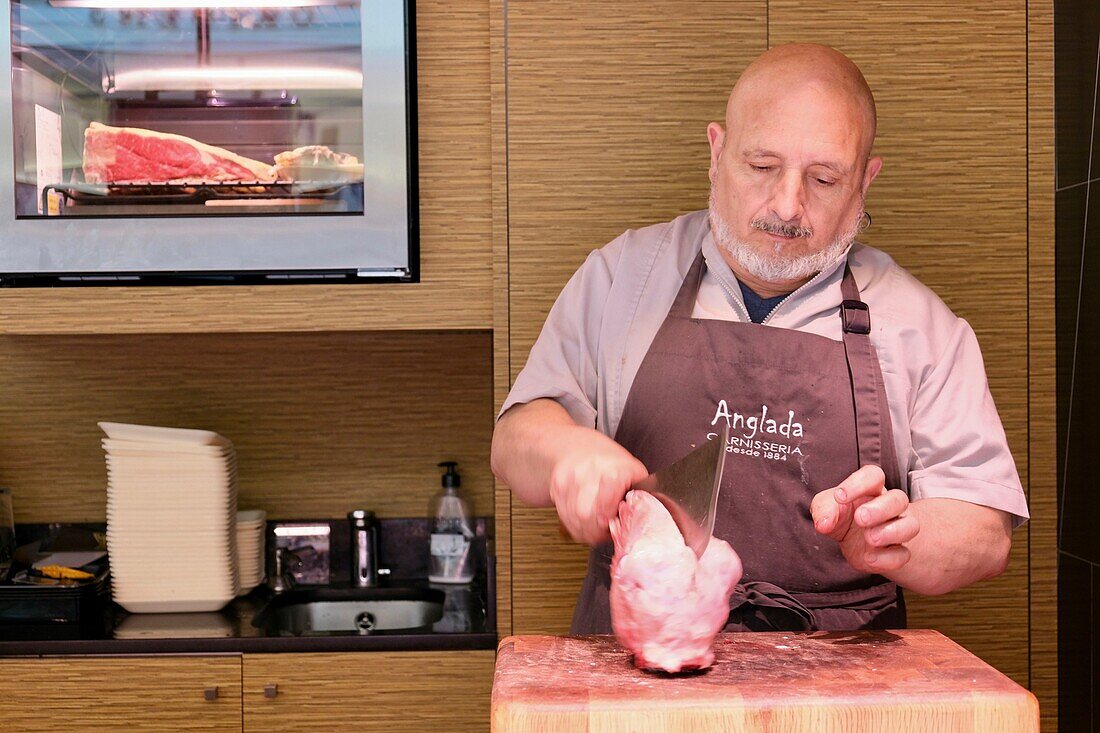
(47, 154)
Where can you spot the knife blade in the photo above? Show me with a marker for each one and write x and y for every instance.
(689, 490)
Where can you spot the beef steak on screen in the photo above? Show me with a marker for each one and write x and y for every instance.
(117, 154)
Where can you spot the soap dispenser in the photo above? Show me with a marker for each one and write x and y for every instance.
(451, 560)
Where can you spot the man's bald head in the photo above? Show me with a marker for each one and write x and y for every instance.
(782, 69)
(790, 169)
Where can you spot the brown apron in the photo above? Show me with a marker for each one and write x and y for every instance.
(805, 412)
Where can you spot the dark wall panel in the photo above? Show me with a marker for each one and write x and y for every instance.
(1077, 282)
(1075, 63)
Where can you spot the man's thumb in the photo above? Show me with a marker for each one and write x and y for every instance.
(830, 517)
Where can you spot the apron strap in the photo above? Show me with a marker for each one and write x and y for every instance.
(874, 439)
(684, 304)
(761, 606)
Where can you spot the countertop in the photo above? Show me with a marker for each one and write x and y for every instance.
(467, 623)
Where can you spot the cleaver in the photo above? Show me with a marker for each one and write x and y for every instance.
(689, 490)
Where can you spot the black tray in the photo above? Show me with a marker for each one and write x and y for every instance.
(26, 599)
(74, 603)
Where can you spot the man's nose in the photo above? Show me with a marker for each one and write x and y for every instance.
(788, 197)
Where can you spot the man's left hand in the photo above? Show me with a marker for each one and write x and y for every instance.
(871, 524)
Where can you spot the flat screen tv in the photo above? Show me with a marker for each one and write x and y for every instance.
(198, 142)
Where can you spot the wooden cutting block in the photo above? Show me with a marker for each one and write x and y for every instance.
(895, 681)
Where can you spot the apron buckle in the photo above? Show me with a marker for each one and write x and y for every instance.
(856, 317)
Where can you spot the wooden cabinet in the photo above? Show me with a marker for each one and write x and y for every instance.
(112, 693)
(364, 691)
(374, 691)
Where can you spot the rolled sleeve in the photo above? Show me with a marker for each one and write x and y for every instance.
(959, 446)
(562, 364)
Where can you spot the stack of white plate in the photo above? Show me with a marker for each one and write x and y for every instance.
(171, 518)
(250, 548)
(174, 626)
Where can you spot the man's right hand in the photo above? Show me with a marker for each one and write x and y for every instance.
(587, 482)
(549, 460)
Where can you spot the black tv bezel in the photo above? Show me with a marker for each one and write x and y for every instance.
(306, 276)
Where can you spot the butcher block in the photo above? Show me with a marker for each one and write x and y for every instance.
(896, 681)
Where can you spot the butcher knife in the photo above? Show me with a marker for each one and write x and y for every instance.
(689, 489)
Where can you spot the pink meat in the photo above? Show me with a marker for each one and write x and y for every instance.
(667, 605)
(114, 154)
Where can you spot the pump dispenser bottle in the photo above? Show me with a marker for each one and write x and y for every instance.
(451, 559)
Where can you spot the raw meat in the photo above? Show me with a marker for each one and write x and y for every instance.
(667, 605)
(317, 163)
(116, 154)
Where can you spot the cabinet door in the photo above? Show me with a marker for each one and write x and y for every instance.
(368, 691)
(119, 693)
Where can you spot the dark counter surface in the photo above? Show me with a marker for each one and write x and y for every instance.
(468, 621)
(466, 624)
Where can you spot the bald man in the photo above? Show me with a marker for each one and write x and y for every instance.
(865, 454)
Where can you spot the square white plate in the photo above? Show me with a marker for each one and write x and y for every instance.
(158, 434)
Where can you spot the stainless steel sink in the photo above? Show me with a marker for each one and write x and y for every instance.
(352, 610)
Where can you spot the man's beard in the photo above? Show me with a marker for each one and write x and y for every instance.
(775, 266)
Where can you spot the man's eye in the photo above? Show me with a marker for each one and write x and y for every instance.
(825, 181)
(761, 168)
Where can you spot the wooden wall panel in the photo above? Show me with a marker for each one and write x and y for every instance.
(322, 423)
(950, 205)
(950, 81)
(455, 220)
(607, 111)
(1042, 441)
(501, 376)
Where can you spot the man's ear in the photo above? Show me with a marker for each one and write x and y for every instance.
(874, 165)
(716, 136)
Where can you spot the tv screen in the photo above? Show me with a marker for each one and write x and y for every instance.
(152, 141)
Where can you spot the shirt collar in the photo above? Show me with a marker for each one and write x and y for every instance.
(720, 269)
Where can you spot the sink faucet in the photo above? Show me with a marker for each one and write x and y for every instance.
(364, 548)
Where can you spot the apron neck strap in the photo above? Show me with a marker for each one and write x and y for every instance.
(854, 315)
(874, 438)
(684, 304)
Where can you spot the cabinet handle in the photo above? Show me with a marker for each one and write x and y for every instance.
(210, 693)
(271, 690)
